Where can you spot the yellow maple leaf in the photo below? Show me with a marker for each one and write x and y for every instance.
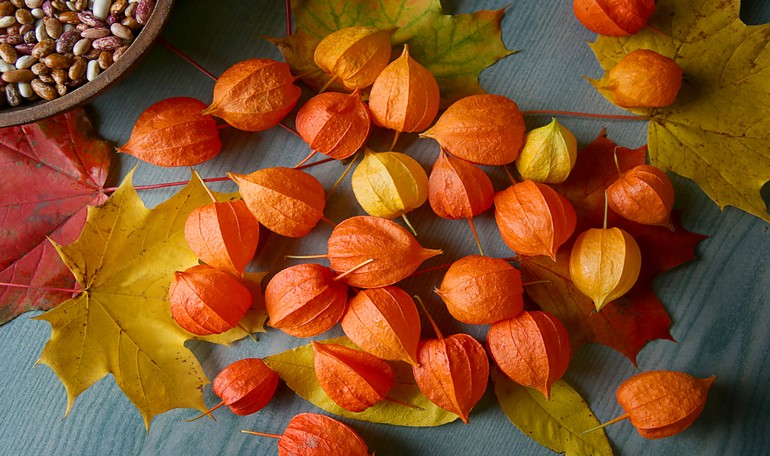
(717, 133)
(121, 322)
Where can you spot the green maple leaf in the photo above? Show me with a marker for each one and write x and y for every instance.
(121, 322)
(455, 49)
(717, 133)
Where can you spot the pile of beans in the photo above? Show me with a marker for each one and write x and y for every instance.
(50, 47)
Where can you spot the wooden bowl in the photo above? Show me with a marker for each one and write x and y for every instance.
(41, 109)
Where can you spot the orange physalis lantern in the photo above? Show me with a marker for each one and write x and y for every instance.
(453, 372)
(174, 132)
(334, 124)
(385, 323)
(223, 235)
(481, 290)
(206, 300)
(642, 79)
(396, 253)
(305, 300)
(246, 386)
(286, 201)
(604, 264)
(405, 96)
(458, 189)
(255, 94)
(485, 129)
(533, 218)
(532, 349)
(354, 55)
(661, 403)
(643, 194)
(353, 379)
(614, 17)
(310, 434)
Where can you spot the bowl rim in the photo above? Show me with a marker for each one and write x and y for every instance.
(41, 109)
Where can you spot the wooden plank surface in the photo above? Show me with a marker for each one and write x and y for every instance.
(718, 303)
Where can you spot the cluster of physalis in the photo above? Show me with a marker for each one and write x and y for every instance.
(368, 255)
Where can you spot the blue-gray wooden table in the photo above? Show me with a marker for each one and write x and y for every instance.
(718, 302)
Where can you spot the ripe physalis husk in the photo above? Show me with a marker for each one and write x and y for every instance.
(334, 124)
(614, 17)
(485, 129)
(405, 96)
(354, 55)
(533, 218)
(305, 300)
(310, 434)
(246, 386)
(662, 403)
(355, 380)
(458, 189)
(643, 194)
(174, 132)
(604, 264)
(286, 201)
(205, 300)
(389, 184)
(384, 322)
(396, 253)
(254, 94)
(642, 79)
(453, 372)
(548, 155)
(532, 349)
(481, 290)
(223, 235)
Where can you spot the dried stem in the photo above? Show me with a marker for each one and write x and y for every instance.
(208, 413)
(430, 319)
(33, 287)
(319, 162)
(328, 83)
(606, 209)
(395, 140)
(601, 426)
(617, 164)
(353, 269)
(510, 176)
(288, 18)
(186, 58)
(409, 224)
(475, 235)
(535, 282)
(546, 112)
(305, 160)
(289, 129)
(261, 434)
(306, 257)
(342, 176)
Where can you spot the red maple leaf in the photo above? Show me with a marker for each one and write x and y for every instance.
(628, 323)
(52, 170)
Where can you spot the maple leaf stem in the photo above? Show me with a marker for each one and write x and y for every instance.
(167, 184)
(603, 425)
(475, 236)
(547, 112)
(288, 18)
(535, 282)
(353, 269)
(165, 43)
(430, 269)
(207, 413)
(261, 434)
(510, 176)
(430, 319)
(33, 287)
(405, 404)
(248, 333)
(305, 160)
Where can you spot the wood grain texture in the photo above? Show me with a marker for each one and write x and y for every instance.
(719, 302)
